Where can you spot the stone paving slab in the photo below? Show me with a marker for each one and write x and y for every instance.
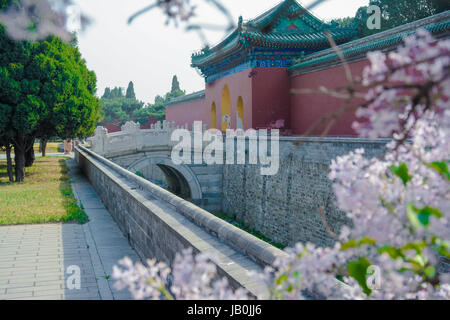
(34, 259)
(102, 235)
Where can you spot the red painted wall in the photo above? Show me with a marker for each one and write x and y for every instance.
(188, 112)
(307, 109)
(266, 97)
(271, 100)
(239, 84)
(112, 127)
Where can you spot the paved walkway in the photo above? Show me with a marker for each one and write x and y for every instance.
(37, 261)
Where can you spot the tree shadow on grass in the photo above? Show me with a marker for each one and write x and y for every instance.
(74, 211)
(4, 179)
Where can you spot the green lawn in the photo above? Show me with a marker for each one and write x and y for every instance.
(52, 147)
(45, 196)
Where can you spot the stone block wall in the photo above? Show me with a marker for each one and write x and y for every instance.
(285, 207)
(159, 224)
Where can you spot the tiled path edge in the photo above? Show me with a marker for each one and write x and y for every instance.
(106, 243)
(34, 259)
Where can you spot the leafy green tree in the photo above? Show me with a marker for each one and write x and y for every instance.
(156, 111)
(173, 95)
(123, 109)
(4, 4)
(20, 106)
(68, 92)
(344, 22)
(112, 110)
(441, 5)
(130, 91)
(46, 91)
(360, 23)
(399, 12)
(119, 109)
(159, 99)
(396, 13)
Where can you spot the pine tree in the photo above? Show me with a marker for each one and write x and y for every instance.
(175, 84)
(107, 94)
(130, 91)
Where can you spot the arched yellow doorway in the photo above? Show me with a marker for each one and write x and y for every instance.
(240, 114)
(213, 116)
(225, 107)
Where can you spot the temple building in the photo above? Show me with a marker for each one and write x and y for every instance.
(249, 76)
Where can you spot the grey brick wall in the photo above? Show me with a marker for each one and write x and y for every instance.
(159, 225)
(285, 207)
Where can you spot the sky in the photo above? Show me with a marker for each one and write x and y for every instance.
(149, 52)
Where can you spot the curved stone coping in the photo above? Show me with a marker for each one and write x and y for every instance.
(324, 139)
(261, 252)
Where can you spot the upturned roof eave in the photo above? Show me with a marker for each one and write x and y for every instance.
(259, 41)
(232, 47)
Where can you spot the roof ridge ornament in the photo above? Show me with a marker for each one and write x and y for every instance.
(240, 23)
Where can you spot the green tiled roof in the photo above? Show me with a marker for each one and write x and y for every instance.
(438, 24)
(296, 40)
(288, 8)
(287, 25)
(186, 98)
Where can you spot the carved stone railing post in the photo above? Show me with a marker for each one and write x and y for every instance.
(98, 141)
(132, 139)
(133, 130)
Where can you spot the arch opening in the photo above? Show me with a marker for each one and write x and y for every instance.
(240, 114)
(226, 109)
(178, 179)
(213, 116)
(176, 182)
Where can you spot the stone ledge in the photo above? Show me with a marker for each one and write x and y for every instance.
(234, 236)
(241, 245)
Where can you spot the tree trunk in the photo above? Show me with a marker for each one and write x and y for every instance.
(21, 144)
(43, 147)
(9, 164)
(19, 159)
(29, 157)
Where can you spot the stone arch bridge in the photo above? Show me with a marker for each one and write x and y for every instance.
(147, 152)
